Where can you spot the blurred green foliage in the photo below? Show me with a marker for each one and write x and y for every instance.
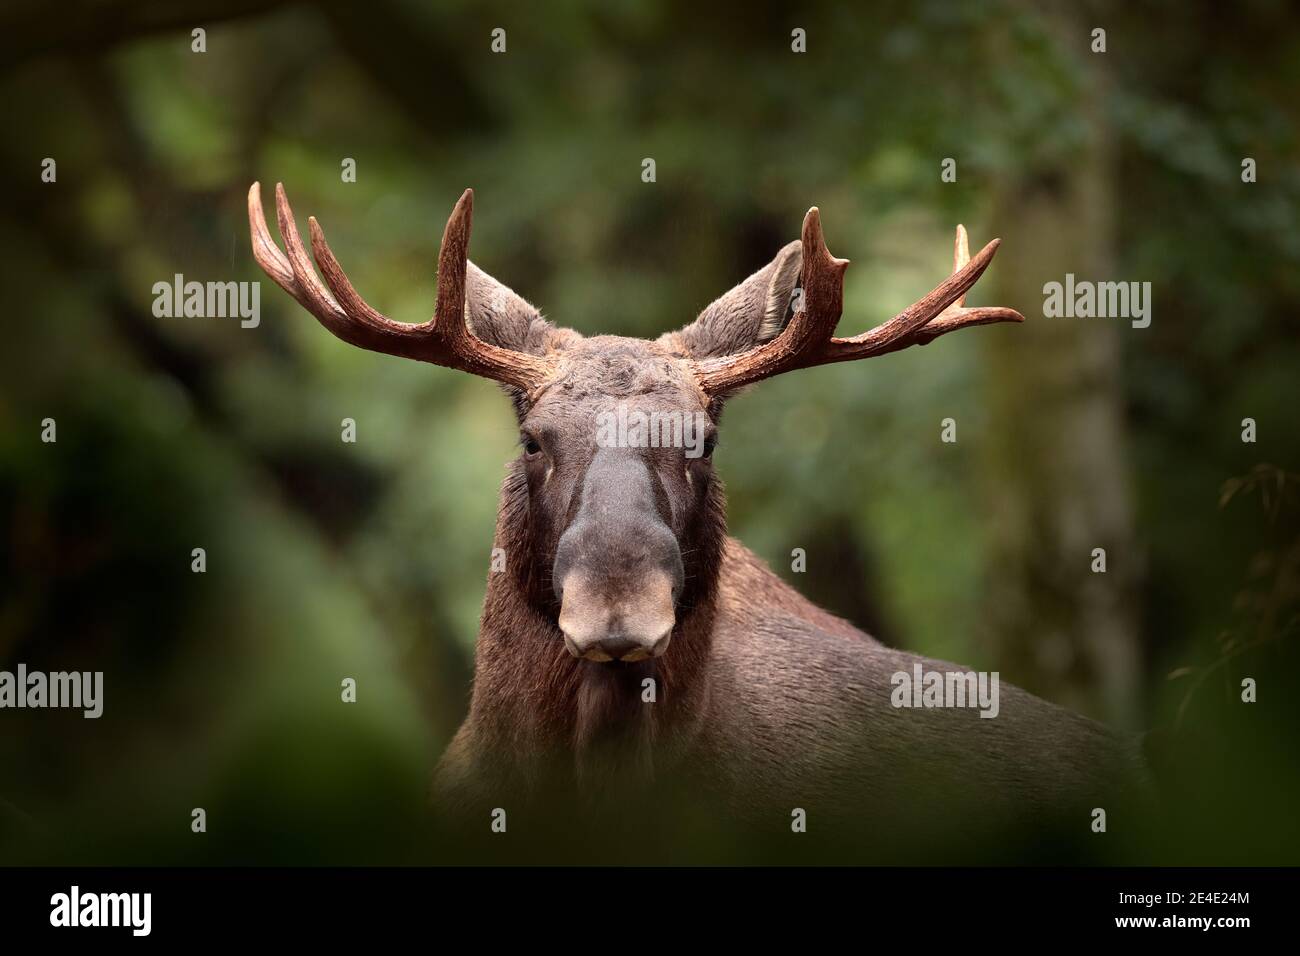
(328, 560)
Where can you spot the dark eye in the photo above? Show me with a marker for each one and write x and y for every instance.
(710, 443)
(532, 448)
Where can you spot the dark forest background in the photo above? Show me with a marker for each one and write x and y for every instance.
(329, 560)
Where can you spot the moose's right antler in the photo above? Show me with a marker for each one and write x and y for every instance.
(809, 339)
(446, 339)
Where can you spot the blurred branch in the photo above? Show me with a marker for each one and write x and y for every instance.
(1276, 486)
(37, 28)
(1265, 618)
(418, 69)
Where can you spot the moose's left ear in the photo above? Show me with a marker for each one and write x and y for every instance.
(499, 316)
(752, 313)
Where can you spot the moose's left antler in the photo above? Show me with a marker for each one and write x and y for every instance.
(809, 339)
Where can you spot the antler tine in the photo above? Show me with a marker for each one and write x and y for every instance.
(444, 340)
(917, 315)
(346, 296)
(949, 318)
(311, 293)
(294, 273)
(960, 256)
(453, 262)
(265, 251)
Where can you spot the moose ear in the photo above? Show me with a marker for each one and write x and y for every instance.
(752, 313)
(500, 317)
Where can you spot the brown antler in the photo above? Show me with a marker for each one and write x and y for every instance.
(809, 339)
(444, 340)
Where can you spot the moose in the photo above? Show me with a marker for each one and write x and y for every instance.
(630, 641)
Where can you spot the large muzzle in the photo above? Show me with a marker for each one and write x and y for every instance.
(618, 569)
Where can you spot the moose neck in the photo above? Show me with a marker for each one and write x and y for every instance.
(533, 700)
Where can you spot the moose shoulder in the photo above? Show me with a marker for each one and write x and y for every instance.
(630, 642)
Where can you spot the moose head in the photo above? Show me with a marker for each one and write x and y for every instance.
(614, 493)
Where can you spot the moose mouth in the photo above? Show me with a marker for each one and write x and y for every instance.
(614, 651)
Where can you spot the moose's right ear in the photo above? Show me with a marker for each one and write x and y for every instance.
(752, 313)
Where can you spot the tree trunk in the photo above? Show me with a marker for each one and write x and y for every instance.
(1057, 474)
